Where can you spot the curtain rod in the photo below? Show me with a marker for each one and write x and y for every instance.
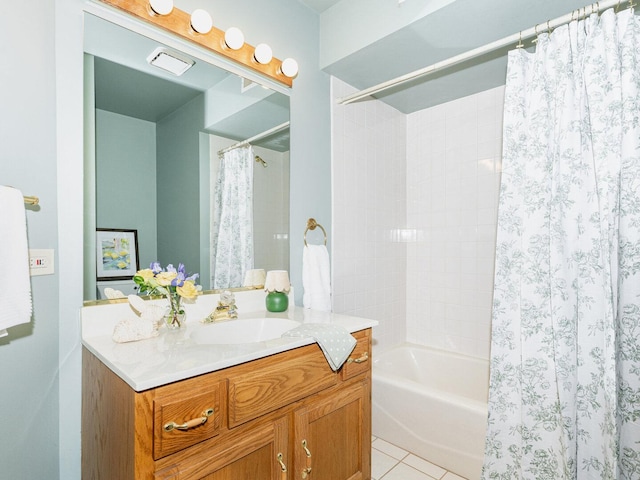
(476, 52)
(264, 134)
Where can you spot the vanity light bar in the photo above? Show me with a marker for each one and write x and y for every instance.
(181, 23)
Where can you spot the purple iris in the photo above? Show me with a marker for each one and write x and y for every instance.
(155, 267)
(181, 275)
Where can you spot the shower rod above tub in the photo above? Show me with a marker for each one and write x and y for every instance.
(490, 47)
(266, 133)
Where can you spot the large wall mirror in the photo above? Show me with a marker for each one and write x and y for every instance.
(156, 143)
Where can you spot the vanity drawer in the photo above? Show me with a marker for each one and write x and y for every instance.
(276, 383)
(360, 359)
(185, 414)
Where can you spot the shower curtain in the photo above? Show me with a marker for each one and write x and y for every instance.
(564, 399)
(232, 219)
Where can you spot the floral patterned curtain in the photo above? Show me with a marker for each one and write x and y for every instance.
(564, 398)
(232, 218)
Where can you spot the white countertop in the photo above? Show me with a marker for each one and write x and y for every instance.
(174, 355)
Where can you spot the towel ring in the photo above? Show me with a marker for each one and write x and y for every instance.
(311, 225)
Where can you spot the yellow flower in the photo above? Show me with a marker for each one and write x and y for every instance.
(123, 253)
(114, 255)
(164, 278)
(122, 265)
(146, 274)
(188, 290)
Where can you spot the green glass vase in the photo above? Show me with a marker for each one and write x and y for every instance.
(277, 302)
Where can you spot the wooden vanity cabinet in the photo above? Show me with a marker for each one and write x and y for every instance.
(283, 417)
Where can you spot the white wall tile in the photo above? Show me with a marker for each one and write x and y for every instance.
(369, 202)
(460, 266)
(436, 171)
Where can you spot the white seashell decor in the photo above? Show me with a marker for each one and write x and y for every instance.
(145, 325)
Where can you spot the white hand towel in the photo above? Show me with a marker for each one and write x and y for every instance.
(15, 287)
(316, 279)
(335, 341)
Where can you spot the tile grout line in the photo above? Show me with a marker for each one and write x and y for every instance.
(404, 456)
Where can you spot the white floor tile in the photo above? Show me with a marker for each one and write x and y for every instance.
(405, 472)
(389, 449)
(425, 466)
(381, 463)
(452, 476)
(389, 462)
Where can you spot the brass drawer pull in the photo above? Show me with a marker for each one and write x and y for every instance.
(306, 471)
(194, 422)
(283, 475)
(363, 358)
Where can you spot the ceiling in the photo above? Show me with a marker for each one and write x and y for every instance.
(458, 27)
(319, 5)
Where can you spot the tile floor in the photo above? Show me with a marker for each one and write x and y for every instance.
(389, 462)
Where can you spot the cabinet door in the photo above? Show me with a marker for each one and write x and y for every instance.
(333, 436)
(259, 453)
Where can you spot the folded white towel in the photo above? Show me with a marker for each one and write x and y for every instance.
(335, 341)
(15, 287)
(316, 279)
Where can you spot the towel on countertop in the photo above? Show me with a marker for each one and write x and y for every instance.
(335, 341)
(15, 286)
(316, 279)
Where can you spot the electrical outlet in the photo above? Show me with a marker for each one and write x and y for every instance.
(41, 262)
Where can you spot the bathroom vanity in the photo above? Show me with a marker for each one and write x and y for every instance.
(270, 410)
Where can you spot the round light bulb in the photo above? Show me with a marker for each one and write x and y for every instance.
(289, 67)
(234, 38)
(161, 7)
(263, 54)
(201, 21)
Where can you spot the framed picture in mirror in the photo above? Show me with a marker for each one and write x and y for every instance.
(116, 254)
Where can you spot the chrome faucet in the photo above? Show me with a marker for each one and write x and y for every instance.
(226, 309)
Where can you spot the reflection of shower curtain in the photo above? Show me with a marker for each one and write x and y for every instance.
(232, 229)
(564, 399)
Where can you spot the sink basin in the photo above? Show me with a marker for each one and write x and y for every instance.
(249, 330)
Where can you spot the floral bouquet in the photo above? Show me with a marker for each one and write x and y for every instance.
(171, 283)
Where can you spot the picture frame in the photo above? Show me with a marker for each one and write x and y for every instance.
(116, 254)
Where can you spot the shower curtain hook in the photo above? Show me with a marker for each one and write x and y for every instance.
(535, 29)
(520, 44)
(632, 5)
(548, 28)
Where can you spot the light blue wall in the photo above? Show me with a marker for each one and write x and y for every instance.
(178, 170)
(126, 178)
(29, 354)
(42, 100)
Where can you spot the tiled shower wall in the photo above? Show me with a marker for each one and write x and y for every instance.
(453, 179)
(369, 185)
(414, 216)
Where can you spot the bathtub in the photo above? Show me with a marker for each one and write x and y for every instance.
(432, 403)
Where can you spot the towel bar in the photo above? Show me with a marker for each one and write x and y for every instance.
(311, 225)
(30, 200)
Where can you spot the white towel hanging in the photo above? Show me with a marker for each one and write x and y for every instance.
(316, 278)
(15, 286)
